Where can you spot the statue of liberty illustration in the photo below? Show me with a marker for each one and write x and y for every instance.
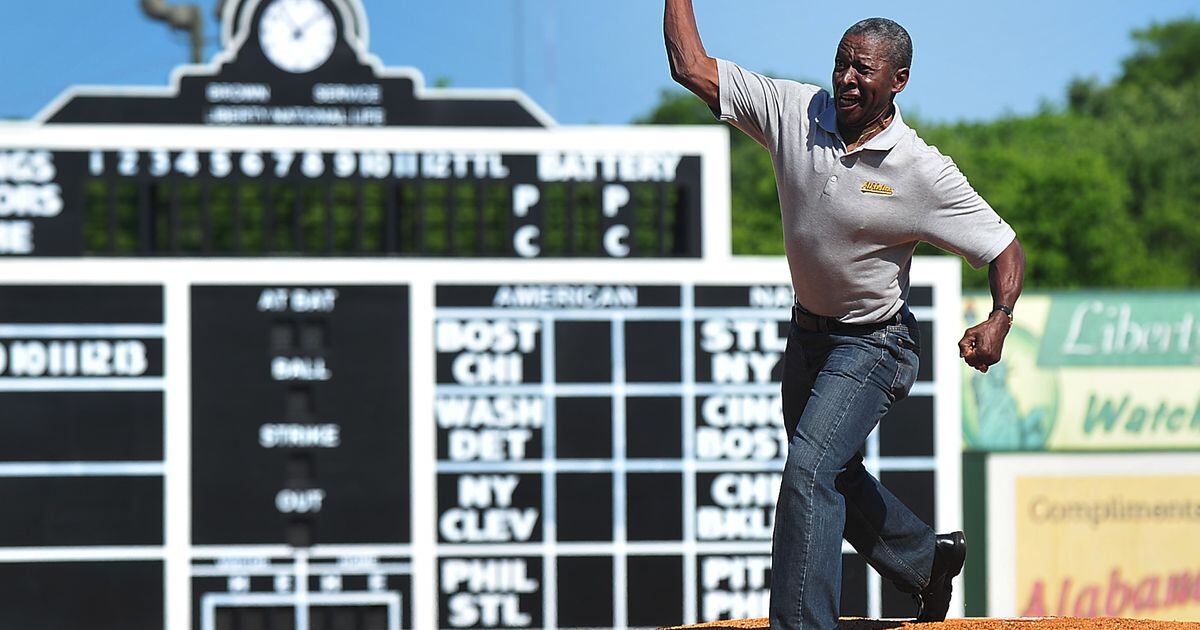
(1001, 424)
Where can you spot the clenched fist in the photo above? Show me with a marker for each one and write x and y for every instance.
(982, 344)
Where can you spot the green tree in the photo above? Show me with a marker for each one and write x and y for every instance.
(1151, 133)
(1061, 195)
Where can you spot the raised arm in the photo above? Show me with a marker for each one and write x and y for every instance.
(982, 344)
(691, 66)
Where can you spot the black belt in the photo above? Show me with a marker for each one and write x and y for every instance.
(820, 323)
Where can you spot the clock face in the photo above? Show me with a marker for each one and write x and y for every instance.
(297, 35)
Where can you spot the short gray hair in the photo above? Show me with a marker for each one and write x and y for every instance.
(893, 36)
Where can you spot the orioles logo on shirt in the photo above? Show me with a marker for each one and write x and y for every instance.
(875, 188)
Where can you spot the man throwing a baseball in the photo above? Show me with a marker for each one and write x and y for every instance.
(857, 190)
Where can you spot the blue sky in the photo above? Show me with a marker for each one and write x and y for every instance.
(602, 61)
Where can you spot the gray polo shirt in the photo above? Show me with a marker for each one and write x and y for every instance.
(852, 220)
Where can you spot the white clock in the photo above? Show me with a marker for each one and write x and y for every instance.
(297, 35)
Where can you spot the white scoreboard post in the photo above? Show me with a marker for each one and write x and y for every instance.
(327, 349)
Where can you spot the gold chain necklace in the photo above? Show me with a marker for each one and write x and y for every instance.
(875, 130)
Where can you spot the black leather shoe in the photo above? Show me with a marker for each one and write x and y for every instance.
(949, 555)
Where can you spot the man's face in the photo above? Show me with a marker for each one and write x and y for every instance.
(864, 81)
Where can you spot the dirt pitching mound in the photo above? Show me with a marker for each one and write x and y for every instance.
(1051, 623)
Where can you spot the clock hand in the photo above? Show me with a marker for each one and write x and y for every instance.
(287, 13)
(310, 22)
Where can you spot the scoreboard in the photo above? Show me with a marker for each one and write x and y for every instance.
(299, 343)
(461, 444)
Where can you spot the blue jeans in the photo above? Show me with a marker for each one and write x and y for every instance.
(836, 388)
